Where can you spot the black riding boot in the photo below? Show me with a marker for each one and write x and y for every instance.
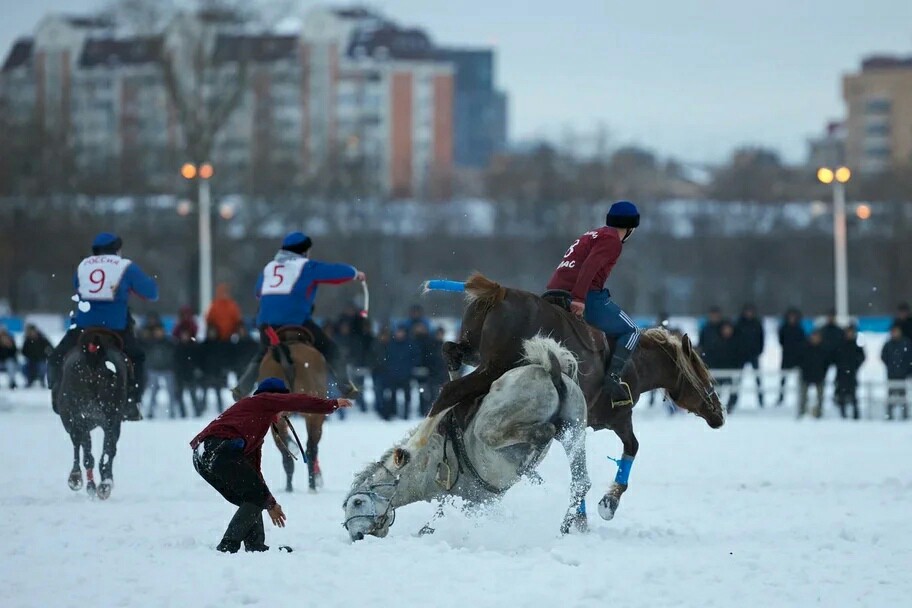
(617, 389)
(248, 378)
(135, 389)
(241, 527)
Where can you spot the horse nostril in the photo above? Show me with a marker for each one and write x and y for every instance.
(358, 502)
(359, 536)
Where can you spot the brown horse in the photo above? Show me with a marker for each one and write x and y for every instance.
(498, 319)
(304, 370)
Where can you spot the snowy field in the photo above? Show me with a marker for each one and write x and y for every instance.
(764, 512)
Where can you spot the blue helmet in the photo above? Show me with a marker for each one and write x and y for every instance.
(106, 242)
(271, 385)
(623, 214)
(296, 242)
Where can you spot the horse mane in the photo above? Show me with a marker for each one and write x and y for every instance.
(692, 367)
(414, 439)
(482, 290)
(536, 351)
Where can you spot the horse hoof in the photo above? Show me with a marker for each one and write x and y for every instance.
(289, 489)
(426, 530)
(319, 480)
(104, 490)
(75, 481)
(607, 506)
(91, 490)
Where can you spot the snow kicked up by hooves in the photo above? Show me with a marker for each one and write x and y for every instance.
(764, 512)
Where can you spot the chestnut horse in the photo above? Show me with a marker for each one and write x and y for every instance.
(498, 319)
(304, 370)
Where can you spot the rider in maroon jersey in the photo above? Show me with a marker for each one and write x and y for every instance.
(583, 272)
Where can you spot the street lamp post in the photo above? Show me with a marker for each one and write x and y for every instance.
(839, 178)
(202, 175)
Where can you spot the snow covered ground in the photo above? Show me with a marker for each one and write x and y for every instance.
(764, 512)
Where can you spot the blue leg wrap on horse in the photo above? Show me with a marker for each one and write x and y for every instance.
(624, 466)
(444, 285)
(581, 509)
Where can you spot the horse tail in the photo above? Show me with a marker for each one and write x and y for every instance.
(483, 291)
(556, 359)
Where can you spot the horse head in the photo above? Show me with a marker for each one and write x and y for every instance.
(694, 389)
(369, 505)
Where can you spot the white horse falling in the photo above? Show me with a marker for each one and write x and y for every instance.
(526, 408)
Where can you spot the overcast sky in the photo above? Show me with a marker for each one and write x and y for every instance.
(690, 78)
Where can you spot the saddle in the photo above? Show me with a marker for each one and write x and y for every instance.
(295, 334)
(559, 297)
(88, 337)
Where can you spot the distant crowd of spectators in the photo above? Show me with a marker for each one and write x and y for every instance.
(732, 346)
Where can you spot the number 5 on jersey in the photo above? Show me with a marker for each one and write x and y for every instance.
(279, 278)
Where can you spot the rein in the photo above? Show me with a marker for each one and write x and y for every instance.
(453, 433)
(389, 514)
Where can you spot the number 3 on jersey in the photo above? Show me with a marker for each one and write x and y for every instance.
(279, 278)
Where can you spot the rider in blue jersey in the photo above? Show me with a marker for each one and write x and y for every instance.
(104, 282)
(287, 288)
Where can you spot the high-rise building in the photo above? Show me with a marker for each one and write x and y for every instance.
(352, 91)
(480, 116)
(879, 123)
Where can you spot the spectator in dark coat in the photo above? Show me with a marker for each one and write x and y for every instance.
(430, 365)
(849, 357)
(160, 368)
(749, 334)
(186, 370)
(897, 356)
(35, 350)
(711, 332)
(214, 362)
(814, 363)
(415, 315)
(792, 338)
(725, 354)
(402, 357)
(9, 356)
(832, 336)
(904, 319)
(377, 363)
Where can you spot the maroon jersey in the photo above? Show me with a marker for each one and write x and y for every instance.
(250, 419)
(587, 263)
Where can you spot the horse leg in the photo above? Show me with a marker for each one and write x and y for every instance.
(572, 436)
(465, 389)
(88, 461)
(454, 354)
(108, 451)
(609, 502)
(75, 479)
(314, 434)
(282, 439)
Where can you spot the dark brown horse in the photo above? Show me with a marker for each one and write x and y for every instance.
(498, 319)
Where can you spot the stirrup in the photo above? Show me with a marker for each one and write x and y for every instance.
(627, 399)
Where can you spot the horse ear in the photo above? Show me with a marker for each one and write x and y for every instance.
(401, 457)
(686, 345)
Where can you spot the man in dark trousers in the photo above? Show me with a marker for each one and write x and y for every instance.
(749, 335)
(792, 338)
(849, 357)
(897, 356)
(814, 364)
(227, 455)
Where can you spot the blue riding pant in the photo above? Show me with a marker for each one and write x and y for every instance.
(601, 312)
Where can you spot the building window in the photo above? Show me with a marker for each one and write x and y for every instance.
(877, 106)
(878, 130)
(877, 152)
